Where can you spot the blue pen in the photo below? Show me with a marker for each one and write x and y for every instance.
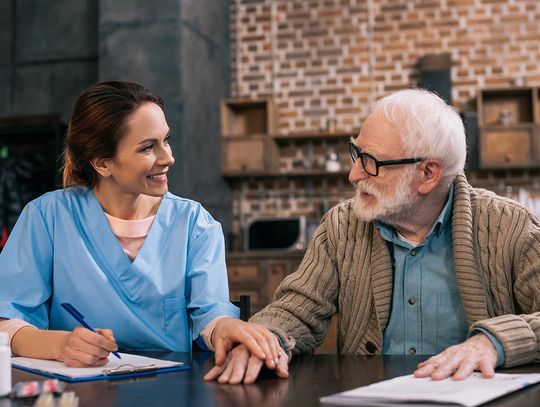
(79, 317)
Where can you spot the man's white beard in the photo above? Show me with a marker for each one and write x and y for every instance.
(389, 208)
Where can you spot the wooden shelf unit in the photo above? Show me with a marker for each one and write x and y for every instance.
(509, 123)
(257, 155)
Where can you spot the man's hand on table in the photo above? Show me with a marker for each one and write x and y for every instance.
(459, 361)
(242, 366)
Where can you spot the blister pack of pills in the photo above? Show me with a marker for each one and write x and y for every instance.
(35, 388)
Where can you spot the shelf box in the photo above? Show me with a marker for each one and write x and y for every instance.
(242, 117)
(509, 106)
(509, 147)
(249, 154)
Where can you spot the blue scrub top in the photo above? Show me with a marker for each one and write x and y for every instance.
(62, 249)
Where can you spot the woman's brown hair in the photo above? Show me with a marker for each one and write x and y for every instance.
(98, 123)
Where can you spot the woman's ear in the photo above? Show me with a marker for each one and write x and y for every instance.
(101, 165)
(432, 172)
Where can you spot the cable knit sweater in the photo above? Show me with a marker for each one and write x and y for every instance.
(347, 270)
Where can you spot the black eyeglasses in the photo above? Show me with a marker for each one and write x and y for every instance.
(371, 164)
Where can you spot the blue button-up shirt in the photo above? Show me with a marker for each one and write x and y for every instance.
(427, 314)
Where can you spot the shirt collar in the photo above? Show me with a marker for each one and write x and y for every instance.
(389, 233)
(446, 214)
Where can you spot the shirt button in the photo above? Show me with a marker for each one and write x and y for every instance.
(412, 300)
(412, 351)
(413, 252)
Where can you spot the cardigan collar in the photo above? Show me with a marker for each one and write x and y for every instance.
(469, 278)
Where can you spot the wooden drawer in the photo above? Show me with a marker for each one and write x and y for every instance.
(249, 154)
(244, 272)
(505, 147)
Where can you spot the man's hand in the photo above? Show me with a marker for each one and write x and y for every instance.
(84, 348)
(262, 343)
(459, 361)
(240, 366)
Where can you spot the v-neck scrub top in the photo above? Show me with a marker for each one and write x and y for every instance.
(62, 249)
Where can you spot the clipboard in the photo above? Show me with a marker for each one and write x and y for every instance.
(129, 366)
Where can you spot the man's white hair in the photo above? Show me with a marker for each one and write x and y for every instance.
(429, 128)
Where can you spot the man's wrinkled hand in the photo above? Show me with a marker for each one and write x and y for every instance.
(260, 342)
(459, 361)
(242, 366)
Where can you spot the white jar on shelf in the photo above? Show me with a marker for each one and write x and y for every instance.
(332, 162)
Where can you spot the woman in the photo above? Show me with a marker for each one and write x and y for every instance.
(114, 243)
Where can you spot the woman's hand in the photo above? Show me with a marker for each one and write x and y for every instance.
(84, 348)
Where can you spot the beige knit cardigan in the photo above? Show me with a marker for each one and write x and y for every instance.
(347, 270)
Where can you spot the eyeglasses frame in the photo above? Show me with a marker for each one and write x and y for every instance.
(353, 149)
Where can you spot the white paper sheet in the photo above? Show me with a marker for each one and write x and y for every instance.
(407, 390)
(55, 367)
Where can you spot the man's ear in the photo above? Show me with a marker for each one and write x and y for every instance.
(432, 172)
(101, 165)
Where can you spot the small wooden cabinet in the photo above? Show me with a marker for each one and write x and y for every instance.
(244, 116)
(509, 121)
(258, 274)
(246, 144)
(249, 154)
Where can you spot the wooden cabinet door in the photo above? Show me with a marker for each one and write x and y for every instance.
(508, 147)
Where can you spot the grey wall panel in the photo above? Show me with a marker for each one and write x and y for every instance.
(48, 55)
(51, 88)
(52, 30)
(179, 48)
(148, 54)
(6, 32)
(5, 90)
(209, 19)
(138, 11)
(205, 82)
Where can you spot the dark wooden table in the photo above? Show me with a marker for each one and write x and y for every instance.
(311, 376)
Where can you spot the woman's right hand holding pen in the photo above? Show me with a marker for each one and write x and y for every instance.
(78, 348)
(84, 348)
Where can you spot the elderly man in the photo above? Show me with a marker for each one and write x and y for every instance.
(419, 262)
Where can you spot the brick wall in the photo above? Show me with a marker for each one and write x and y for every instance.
(326, 61)
(319, 59)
